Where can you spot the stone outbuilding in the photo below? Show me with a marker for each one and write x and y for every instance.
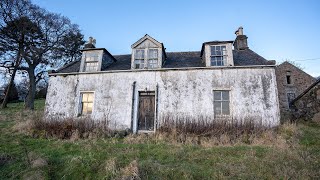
(291, 81)
(307, 104)
(226, 80)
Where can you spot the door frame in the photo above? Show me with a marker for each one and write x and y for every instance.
(136, 130)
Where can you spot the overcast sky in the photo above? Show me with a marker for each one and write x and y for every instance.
(277, 30)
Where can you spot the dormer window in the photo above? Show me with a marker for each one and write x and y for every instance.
(91, 62)
(218, 55)
(147, 53)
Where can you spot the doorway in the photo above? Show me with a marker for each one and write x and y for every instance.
(146, 111)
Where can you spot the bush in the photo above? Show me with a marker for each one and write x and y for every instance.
(208, 131)
(74, 129)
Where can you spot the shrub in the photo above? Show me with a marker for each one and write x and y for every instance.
(208, 132)
(73, 129)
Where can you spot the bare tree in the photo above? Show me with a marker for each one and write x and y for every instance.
(40, 39)
(16, 30)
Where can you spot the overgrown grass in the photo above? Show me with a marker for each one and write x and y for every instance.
(146, 158)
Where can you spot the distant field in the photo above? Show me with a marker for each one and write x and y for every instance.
(298, 157)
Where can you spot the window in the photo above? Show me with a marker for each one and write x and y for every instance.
(291, 96)
(152, 58)
(91, 63)
(288, 77)
(86, 103)
(151, 61)
(221, 102)
(139, 59)
(218, 55)
(91, 66)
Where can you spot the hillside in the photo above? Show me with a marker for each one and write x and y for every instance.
(293, 153)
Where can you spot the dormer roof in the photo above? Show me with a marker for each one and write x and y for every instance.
(104, 50)
(145, 37)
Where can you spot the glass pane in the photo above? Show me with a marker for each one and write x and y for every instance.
(219, 63)
(219, 53)
(222, 62)
(213, 61)
(89, 108)
(84, 97)
(90, 97)
(213, 50)
(217, 108)
(217, 95)
(84, 108)
(218, 48)
(139, 54)
(225, 108)
(153, 54)
(225, 95)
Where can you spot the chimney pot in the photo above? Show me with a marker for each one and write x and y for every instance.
(241, 40)
(90, 40)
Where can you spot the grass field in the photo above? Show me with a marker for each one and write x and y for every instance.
(118, 158)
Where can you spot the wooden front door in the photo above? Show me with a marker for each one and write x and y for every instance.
(146, 111)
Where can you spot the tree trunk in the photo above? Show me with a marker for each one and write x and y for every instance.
(32, 89)
(17, 63)
(7, 94)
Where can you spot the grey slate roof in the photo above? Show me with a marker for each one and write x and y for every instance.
(178, 60)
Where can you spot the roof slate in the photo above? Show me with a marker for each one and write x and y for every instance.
(178, 60)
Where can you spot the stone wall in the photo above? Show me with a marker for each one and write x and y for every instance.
(300, 81)
(307, 105)
(180, 92)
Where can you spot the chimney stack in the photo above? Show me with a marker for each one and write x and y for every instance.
(90, 44)
(241, 40)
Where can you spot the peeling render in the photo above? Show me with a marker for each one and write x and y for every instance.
(253, 94)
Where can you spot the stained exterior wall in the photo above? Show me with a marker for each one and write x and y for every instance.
(189, 92)
(299, 82)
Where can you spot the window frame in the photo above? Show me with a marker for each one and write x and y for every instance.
(146, 64)
(88, 60)
(221, 101)
(155, 65)
(224, 55)
(289, 80)
(141, 65)
(80, 110)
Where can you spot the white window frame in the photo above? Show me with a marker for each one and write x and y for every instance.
(221, 102)
(80, 109)
(91, 58)
(224, 56)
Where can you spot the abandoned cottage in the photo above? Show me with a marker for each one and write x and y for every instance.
(226, 80)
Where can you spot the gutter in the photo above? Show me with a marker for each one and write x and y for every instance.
(167, 69)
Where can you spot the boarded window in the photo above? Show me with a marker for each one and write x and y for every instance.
(86, 103)
(139, 59)
(218, 55)
(291, 96)
(221, 102)
(152, 58)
